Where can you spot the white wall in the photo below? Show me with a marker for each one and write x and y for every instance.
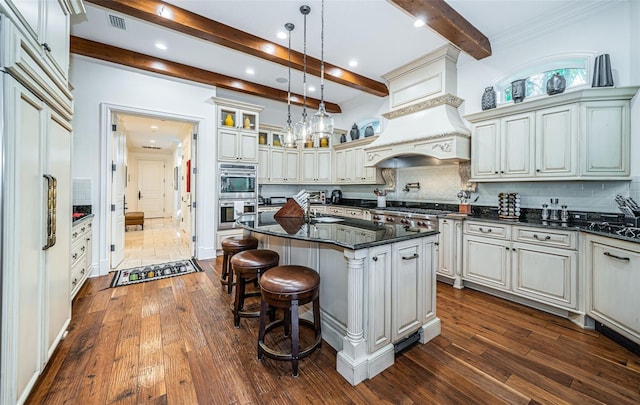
(95, 83)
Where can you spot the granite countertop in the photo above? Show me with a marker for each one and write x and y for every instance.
(350, 233)
(80, 217)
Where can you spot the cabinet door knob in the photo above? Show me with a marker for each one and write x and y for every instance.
(374, 258)
(46, 47)
(496, 172)
(538, 170)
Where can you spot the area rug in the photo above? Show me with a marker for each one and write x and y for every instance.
(154, 272)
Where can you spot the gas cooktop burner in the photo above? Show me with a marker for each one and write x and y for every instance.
(615, 229)
(424, 211)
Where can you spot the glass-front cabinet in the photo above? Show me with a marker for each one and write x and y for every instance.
(237, 130)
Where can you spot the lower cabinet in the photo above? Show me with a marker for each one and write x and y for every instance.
(612, 278)
(536, 263)
(450, 250)
(81, 255)
(222, 235)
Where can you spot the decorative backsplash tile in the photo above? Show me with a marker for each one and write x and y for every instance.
(82, 192)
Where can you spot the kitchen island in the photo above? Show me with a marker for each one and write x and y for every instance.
(378, 284)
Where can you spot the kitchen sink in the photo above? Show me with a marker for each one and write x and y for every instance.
(327, 219)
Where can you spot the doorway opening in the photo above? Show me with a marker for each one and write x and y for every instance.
(149, 165)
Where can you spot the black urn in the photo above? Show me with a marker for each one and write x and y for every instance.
(354, 133)
(368, 131)
(518, 90)
(556, 84)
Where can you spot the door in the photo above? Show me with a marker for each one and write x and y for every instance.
(118, 184)
(151, 181)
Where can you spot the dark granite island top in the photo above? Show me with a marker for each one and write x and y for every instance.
(350, 233)
(377, 283)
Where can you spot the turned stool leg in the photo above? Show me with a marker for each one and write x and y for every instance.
(295, 344)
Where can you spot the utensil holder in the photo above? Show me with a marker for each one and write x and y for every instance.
(464, 208)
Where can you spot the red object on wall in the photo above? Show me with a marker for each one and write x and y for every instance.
(189, 176)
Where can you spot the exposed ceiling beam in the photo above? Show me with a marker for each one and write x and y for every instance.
(136, 60)
(189, 23)
(446, 21)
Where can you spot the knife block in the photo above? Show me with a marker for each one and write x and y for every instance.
(291, 209)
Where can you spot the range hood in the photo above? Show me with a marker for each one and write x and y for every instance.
(424, 126)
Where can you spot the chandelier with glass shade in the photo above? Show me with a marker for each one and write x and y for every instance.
(322, 122)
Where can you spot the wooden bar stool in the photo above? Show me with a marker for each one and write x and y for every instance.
(248, 266)
(231, 246)
(289, 287)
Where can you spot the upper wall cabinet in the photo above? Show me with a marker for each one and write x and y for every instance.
(349, 163)
(581, 135)
(46, 22)
(237, 130)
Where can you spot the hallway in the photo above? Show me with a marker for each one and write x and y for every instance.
(161, 241)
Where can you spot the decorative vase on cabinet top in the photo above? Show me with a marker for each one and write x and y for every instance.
(247, 123)
(228, 121)
(556, 84)
(354, 133)
(488, 99)
(518, 90)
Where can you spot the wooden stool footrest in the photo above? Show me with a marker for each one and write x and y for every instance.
(277, 355)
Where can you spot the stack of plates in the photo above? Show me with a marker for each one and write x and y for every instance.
(509, 205)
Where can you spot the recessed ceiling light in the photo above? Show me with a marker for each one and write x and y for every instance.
(154, 127)
(250, 71)
(281, 79)
(161, 46)
(311, 88)
(282, 35)
(353, 63)
(152, 140)
(418, 23)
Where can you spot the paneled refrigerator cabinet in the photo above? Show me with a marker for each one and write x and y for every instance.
(36, 192)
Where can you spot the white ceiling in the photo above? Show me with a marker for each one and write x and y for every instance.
(375, 32)
(145, 134)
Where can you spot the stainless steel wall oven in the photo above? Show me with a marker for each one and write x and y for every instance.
(237, 192)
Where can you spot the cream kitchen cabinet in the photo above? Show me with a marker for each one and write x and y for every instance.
(332, 210)
(355, 213)
(349, 159)
(449, 250)
(540, 264)
(316, 166)
(47, 28)
(413, 276)
(612, 280)
(283, 164)
(36, 175)
(237, 131)
(81, 256)
(579, 135)
(504, 147)
(276, 164)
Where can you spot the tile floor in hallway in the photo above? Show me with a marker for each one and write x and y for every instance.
(161, 241)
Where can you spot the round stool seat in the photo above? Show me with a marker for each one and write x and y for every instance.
(249, 265)
(239, 243)
(231, 246)
(289, 287)
(290, 283)
(252, 260)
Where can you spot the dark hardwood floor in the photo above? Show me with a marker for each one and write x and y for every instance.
(172, 341)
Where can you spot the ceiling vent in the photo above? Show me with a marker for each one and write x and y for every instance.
(117, 22)
(151, 147)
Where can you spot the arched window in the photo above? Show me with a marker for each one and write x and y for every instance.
(576, 68)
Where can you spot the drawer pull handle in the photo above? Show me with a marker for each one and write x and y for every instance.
(415, 256)
(626, 259)
(483, 231)
(374, 258)
(75, 256)
(82, 248)
(535, 236)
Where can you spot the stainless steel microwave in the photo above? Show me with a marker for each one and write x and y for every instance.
(237, 181)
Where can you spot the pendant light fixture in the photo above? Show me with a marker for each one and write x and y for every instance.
(302, 128)
(287, 132)
(322, 122)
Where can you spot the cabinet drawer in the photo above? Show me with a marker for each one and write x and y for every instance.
(557, 238)
(354, 213)
(79, 231)
(78, 251)
(78, 275)
(489, 230)
(335, 210)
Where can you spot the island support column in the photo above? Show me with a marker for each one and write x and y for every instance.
(352, 359)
